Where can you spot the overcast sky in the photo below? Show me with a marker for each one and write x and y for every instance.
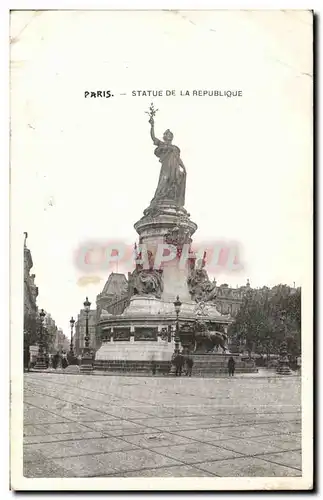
(84, 169)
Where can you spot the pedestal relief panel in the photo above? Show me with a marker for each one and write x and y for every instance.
(106, 335)
(146, 333)
(121, 334)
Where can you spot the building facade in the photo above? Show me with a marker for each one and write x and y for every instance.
(61, 342)
(115, 290)
(30, 288)
(50, 330)
(228, 300)
(31, 318)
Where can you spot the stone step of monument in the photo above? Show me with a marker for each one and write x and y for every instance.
(86, 368)
(163, 367)
(216, 364)
(205, 371)
(214, 357)
(219, 361)
(132, 366)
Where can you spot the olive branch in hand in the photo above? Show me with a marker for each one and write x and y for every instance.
(152, 111)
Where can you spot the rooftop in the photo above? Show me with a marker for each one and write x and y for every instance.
(116, 284)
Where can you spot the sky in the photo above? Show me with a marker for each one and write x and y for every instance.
(84, 169)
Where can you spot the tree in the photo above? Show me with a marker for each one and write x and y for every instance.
(30, 330)
(49, 335)
(269, 316)
(32, 326)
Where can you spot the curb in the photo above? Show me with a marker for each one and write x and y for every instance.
(120, 374)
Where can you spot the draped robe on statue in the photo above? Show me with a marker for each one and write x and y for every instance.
(172, 178)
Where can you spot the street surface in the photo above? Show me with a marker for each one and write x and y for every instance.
(123, 426)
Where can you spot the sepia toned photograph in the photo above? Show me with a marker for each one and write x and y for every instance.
(161, 171)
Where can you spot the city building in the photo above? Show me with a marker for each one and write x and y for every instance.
(30, 307)
(61, 342)
(228, 300)
(114, 291)
(30, 288)
(49, 332)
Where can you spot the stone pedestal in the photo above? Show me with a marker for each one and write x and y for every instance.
(135, 357)
(175, 283)
(40, 366)
(72, 359)
(283, 362)
(135, 351)
(161, 309)
(217, 364)
(40, 363)
(154, 225)
(86, 363)
(283, 367)
(154, 286)
(74, 369)
(143, 313)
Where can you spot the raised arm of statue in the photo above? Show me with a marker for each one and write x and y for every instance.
(156, 141)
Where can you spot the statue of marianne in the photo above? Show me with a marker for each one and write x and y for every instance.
(172, 178)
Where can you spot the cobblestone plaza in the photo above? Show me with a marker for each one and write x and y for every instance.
(120, 426)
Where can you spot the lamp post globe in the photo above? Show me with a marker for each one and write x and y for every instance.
(177, 305)
(87, 304)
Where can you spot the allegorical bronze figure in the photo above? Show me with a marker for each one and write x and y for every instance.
(172, 178)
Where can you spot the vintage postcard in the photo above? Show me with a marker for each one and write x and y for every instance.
(161, 166)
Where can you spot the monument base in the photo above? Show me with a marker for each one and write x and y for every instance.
(284, 370)
(145, 357)
(134, 366)
(141, 351)
(86, 363)
(215, 364)
(72, 369)
(40, 367)
(152, 308)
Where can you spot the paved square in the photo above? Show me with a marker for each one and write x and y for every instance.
(122, 426)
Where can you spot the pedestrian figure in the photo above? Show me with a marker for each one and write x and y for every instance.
(185, 365)
(27, 358)
(46, 359)
(231, 366)
(189, 366)
(55, 360)
(179, 362)
(64, 360)
(153, 367)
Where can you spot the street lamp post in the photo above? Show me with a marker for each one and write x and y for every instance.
(40, 363)
(87, 361)
(283, 362)
(71, 354)
(267, 349)
(177, 305)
